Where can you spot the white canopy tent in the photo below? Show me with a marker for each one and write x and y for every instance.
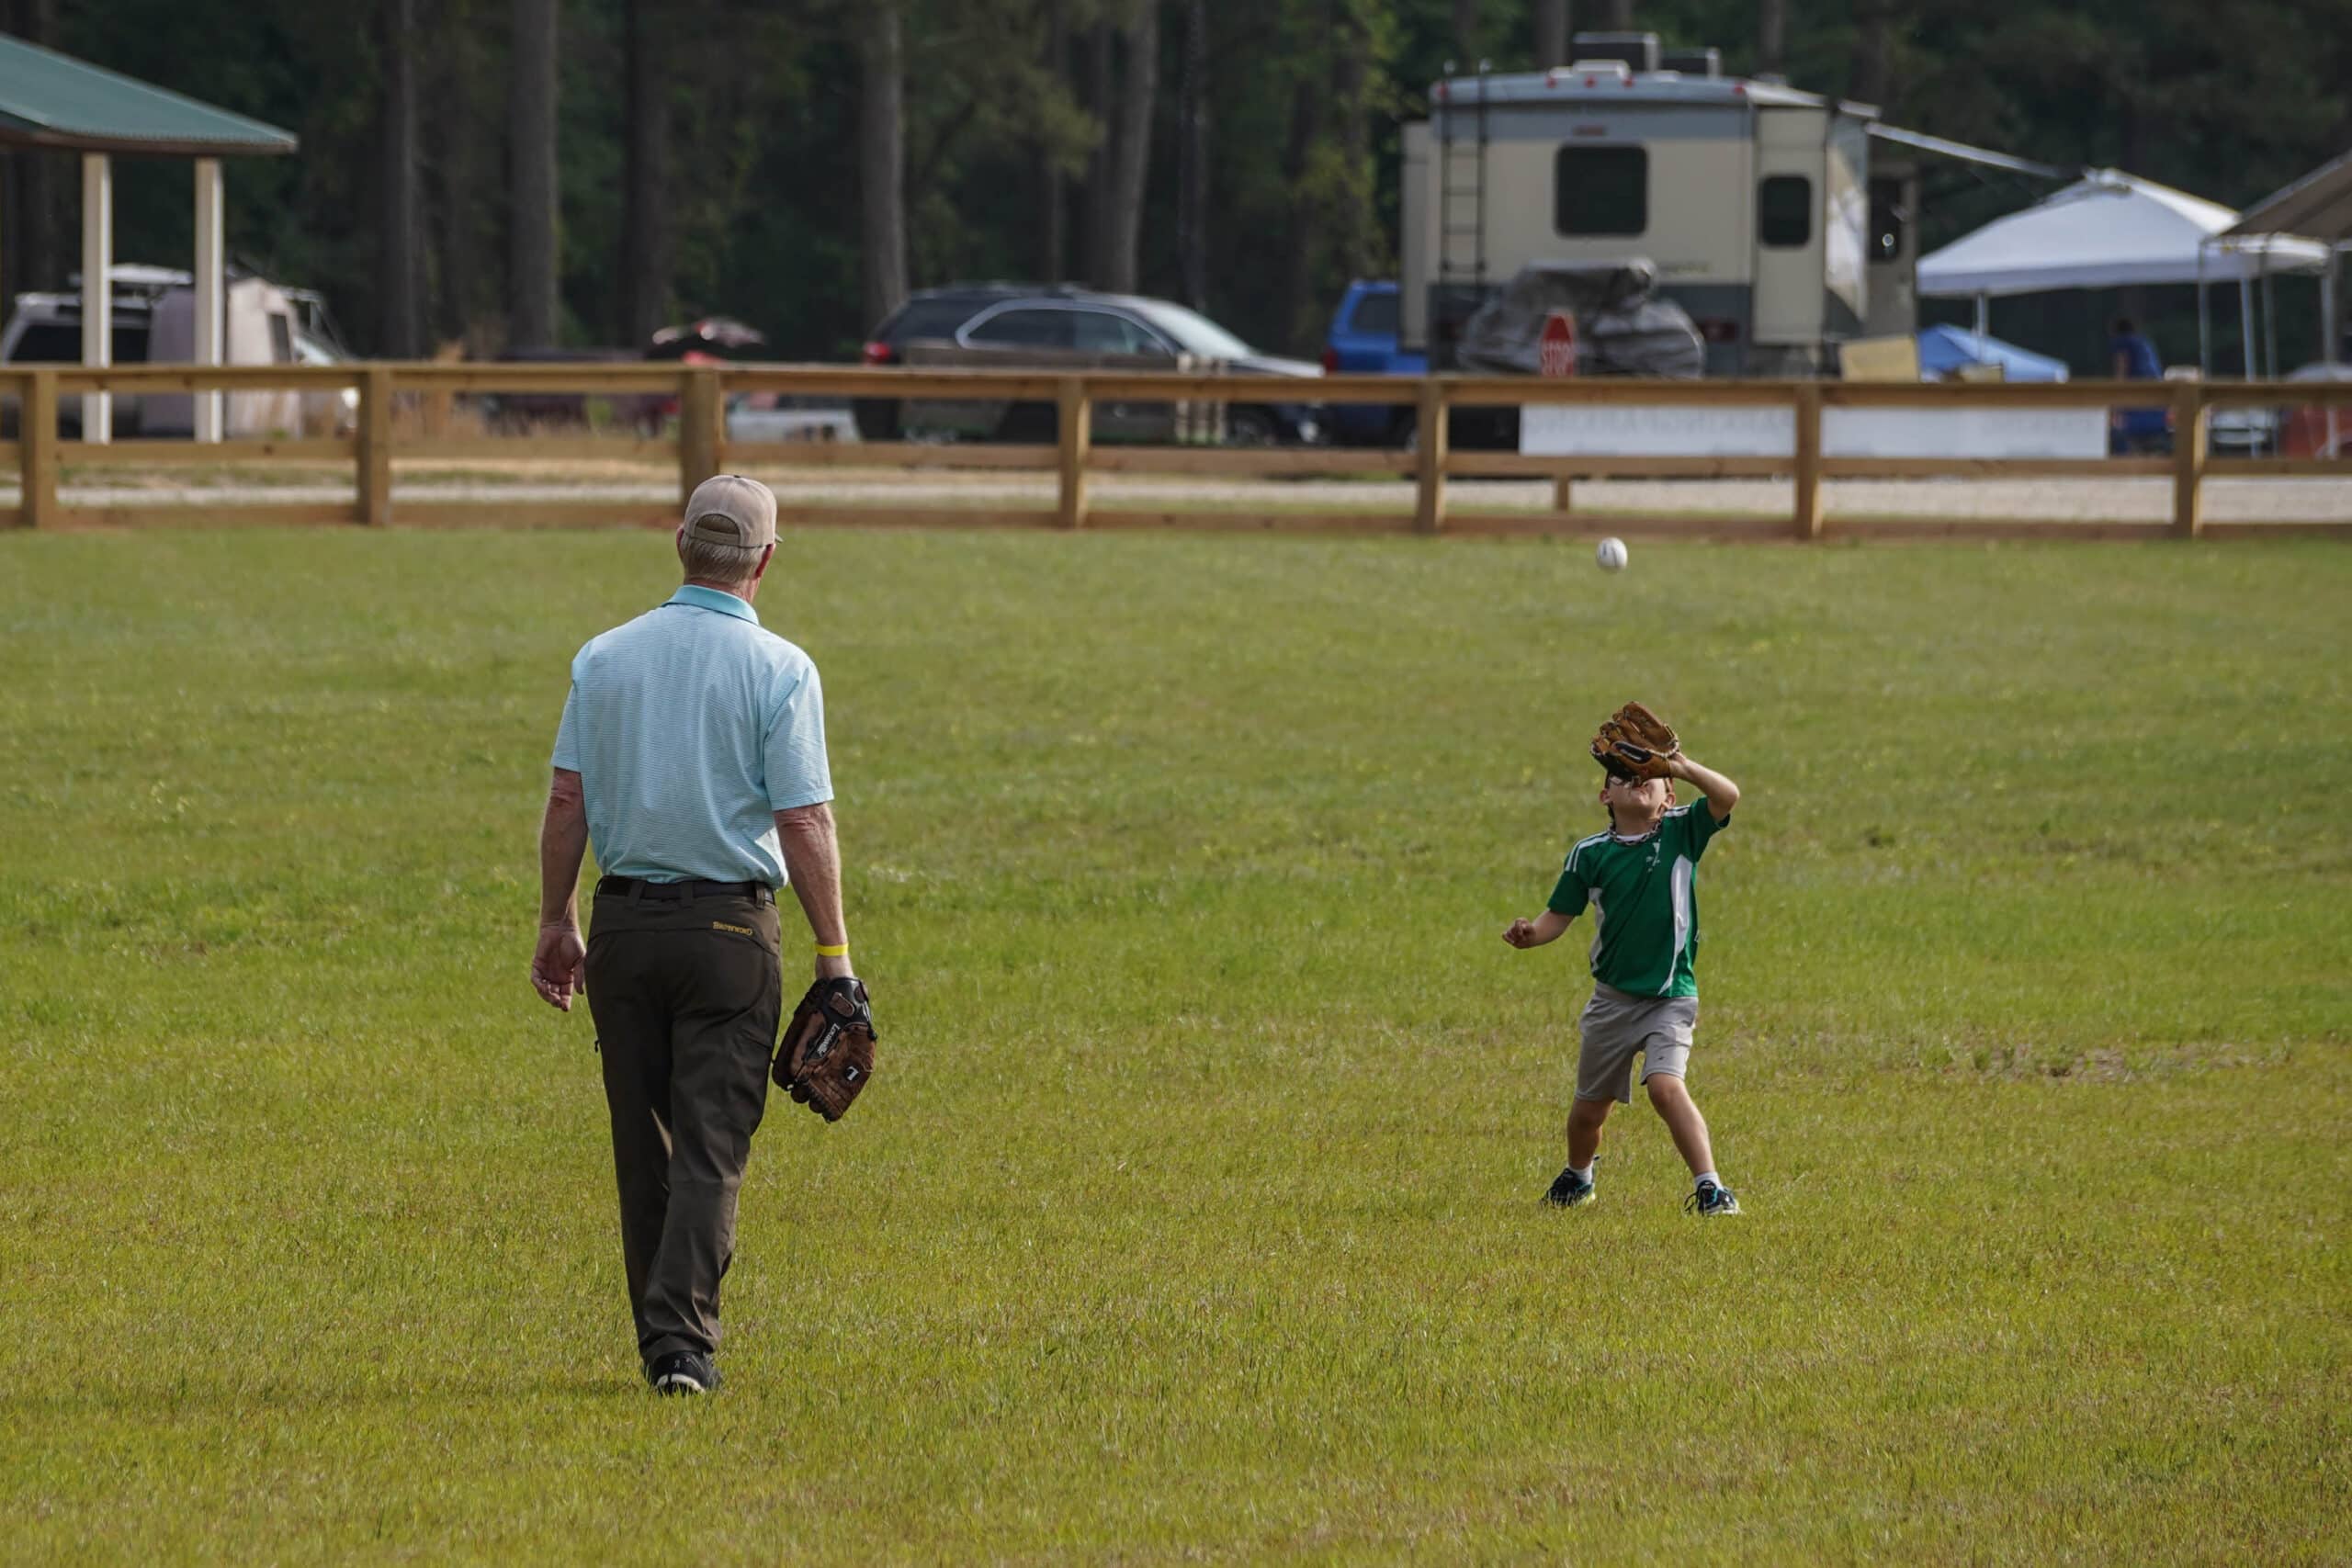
(2317, 207)
(2110, 229)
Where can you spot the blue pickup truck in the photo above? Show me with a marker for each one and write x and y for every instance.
(1363, 342)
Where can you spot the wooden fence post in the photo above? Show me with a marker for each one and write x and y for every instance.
(434, 408)
(1075, 420)
(374, 448)
(1429, 504)
(701, 430)
(36, 455)
(2188, 460)
(1563, 495)
(1807, 515)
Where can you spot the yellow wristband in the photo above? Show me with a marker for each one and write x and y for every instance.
(834, 949)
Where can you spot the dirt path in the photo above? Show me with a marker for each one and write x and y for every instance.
(2121, 500)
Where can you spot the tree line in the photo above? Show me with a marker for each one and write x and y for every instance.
(508, 174)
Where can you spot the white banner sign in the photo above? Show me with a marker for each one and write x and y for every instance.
(1963, 432)
(1568, 430)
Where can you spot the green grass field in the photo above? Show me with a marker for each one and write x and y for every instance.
(1194, 1212)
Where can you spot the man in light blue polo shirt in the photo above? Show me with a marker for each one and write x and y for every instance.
(692, 752)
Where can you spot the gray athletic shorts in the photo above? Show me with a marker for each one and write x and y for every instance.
(1615, 1025)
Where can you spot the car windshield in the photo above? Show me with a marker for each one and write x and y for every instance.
(1193, 333)
(309, 350)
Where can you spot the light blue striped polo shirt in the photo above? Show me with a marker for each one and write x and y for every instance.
(690, 727)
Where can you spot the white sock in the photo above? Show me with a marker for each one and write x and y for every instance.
(1582, 1174)
(1704, 1178)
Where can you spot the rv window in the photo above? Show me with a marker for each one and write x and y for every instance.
(1600, 190)
(281, 338)
(1784, 211)
(1024, 329)
(1887, 220)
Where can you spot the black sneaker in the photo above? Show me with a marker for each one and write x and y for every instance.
(1569, 1191)
(1710, 1201)
(681, 1371)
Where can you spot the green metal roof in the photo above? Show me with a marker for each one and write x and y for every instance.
(48, 99)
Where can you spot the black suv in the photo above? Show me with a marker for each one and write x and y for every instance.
(1023, 326)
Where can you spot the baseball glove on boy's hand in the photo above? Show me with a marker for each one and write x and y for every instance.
(1634, 743)
(828, 1049)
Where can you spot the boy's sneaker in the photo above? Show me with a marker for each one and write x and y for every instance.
(1709, 1200)
(1569, 1191)
(681, 1371)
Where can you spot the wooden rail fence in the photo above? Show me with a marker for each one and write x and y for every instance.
(371, 438)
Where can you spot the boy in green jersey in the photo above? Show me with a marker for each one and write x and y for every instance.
(1640, 877)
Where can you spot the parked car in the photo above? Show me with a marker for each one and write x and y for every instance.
(2289, 429)
(707, 340)
(1363, 342)
(153, 311)
(785, 416)
(1014, 326)
(519, 412)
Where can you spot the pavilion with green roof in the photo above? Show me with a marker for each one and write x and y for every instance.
(53, 102)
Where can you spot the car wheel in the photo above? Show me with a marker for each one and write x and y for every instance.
(1250, 427)
(1031, 424)
(877, 419)
(1405, 431)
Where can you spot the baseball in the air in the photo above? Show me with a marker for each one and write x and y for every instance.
(1610, 555)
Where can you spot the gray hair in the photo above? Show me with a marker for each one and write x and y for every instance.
(707, 562)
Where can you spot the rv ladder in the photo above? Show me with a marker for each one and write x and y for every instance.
(1454, 152)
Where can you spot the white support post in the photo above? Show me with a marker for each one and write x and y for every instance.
(2327, 311)
(210, 283)
(2246, 366)
(2329, 353)
(97, 288)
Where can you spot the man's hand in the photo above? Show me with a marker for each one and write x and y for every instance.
(828, 1049)
(1521, 932)
(559, 968)
(812, 860)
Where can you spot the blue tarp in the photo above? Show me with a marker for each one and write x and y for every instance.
(1945, 349)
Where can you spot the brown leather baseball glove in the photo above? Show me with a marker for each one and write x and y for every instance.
(1634, 743)
(828, 1049)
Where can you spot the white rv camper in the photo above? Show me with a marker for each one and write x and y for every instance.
(1754, 202)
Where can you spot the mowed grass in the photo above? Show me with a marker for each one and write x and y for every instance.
(1193, 1214)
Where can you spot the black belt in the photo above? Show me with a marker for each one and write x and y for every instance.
(637, 888)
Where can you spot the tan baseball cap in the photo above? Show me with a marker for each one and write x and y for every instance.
(728, 509)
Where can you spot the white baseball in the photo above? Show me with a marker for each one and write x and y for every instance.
(1610, 555)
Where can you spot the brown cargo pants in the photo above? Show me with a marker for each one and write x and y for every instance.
(687, 992)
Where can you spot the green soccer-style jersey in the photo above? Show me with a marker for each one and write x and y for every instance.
(1644, 898)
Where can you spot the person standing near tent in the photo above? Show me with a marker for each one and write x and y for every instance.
(2132, 357)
